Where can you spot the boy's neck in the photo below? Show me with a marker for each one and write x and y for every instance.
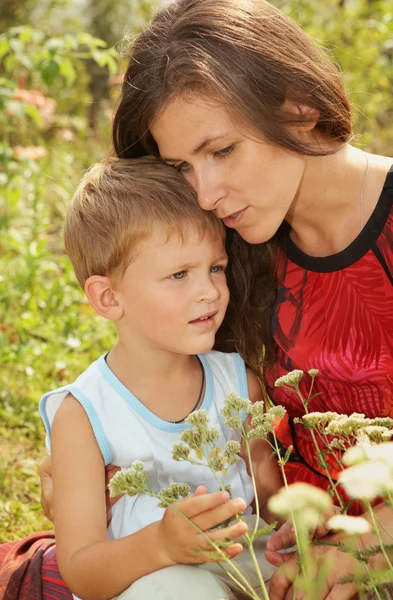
(166, 383)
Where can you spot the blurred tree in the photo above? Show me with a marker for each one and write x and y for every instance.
(359, 35)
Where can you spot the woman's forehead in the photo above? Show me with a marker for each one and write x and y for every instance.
(189, 125)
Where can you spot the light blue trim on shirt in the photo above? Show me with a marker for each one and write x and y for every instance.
(95, 421)
(242, 377)
(142, 410)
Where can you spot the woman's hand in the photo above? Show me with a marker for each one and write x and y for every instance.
(181, 543)
(284, 537)
(47, 488)
(341, 563)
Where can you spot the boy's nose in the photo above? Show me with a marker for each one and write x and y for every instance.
(209, 293)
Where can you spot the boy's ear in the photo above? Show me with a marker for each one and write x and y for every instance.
(103, 297)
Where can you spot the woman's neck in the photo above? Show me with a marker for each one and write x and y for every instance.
(326, 213)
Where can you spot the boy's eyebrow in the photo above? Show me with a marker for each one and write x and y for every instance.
(199, 148)
(188, 265)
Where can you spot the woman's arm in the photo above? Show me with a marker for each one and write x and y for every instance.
(97, 568)
(265, 467)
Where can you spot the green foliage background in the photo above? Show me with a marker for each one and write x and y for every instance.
(48, 333)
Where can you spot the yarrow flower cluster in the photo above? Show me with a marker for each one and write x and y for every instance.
(173, 493)
(235, 410)
(263, 423)
(200, 442)
(129, 481)
(317, 419)
(291, 379)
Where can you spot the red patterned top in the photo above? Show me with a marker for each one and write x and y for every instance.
(335, 314)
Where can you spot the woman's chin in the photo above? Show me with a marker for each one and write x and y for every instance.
(257, 235)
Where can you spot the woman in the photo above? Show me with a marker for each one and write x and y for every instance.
(234, 95)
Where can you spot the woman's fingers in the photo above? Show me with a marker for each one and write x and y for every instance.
(277, 559)
(281, 538)
(47, 488)
(282, 580)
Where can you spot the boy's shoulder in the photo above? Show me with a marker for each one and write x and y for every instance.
(228, 370)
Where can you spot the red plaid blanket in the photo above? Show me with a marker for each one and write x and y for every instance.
(20, 566)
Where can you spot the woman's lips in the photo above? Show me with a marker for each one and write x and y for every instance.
(234, 220)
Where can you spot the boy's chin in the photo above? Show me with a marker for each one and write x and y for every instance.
(203, 345)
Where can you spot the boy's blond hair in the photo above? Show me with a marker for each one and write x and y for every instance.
(116, 206)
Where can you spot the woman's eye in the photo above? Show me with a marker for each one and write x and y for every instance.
(225, 151)
(178, 276)
(218, 269)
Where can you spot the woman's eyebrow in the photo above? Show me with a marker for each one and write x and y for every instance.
(199, 148)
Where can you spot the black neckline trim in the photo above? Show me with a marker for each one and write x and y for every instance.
(356, 249)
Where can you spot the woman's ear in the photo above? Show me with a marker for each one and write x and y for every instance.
(302, 111)
(103, 297)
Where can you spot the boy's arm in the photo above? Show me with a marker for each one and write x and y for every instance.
(97, 568)
(91, 565)
(266, 471)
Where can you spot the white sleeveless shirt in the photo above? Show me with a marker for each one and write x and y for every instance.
(126, 431)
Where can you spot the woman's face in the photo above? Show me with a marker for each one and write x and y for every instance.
(248, 182)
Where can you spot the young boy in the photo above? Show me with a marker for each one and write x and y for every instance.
(153, 262)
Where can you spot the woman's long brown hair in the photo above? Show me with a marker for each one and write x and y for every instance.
(250, 57)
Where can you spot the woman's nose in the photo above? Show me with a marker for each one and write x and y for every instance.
(209, 191)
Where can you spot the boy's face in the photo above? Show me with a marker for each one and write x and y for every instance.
(174, 294)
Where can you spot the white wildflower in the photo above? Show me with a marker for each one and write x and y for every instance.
(382, 452)
(303, 501)
(350, 525)
(73, 342)
(367, 480)
(355, 455)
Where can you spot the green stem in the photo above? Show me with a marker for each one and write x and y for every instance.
(256, 566)
(378, 534)
(244, 435)
(320, 454)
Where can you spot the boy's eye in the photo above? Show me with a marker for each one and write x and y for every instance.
(178, 276)
(218, 269)
(183, 166)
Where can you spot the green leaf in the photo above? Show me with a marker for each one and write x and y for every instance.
(49, 70)
(260, 532)
(67, 70)
(34, 114)
(26, 35)
(4, 46)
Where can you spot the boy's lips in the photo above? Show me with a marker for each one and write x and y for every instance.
(205, 321)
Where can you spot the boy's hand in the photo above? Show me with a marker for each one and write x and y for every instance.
(177, 537)
(47, 488)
